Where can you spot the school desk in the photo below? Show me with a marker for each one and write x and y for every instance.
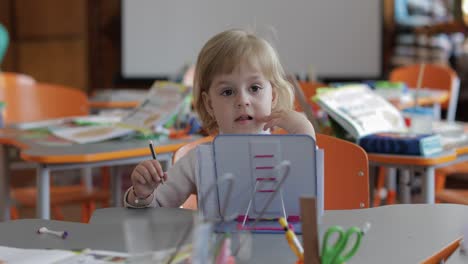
(426, 165)
(400, 233)
(426, 97)
(51, 153)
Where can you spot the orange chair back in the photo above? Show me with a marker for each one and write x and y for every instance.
(14, 79)
(435, 77)
(346, 173)
(309, 89)
(191, 202)
(346, 170)
(40, 101)
(180, 152)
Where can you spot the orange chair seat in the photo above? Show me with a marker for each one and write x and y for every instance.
(457, 196)
(456, 168)
(60, 195)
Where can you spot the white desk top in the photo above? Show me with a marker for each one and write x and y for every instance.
(399, 233)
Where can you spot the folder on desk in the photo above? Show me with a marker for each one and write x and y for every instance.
(251, 160)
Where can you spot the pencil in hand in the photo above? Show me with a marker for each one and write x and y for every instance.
(153, 153)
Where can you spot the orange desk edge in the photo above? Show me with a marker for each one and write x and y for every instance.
(111, 105)
(93, 157)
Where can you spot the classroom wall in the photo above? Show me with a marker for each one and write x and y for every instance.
(338, 39)
(80, 41)
(48, 40)
(72, 42)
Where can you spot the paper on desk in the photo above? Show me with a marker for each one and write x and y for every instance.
(120, 95)
(59, 256)
(43, 123)
(90, 134)
(25, 256)
(163, 101)
(59, 122)
(96, 257)
(109, 257)
(452, 134)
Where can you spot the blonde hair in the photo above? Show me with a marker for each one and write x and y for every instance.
(223, 53)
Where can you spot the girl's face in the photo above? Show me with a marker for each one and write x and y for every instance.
(237, 100)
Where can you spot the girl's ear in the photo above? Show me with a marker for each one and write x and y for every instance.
(274, 97)
(207, 103)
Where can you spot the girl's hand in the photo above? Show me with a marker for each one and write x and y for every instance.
(291, 121)
(146, 177)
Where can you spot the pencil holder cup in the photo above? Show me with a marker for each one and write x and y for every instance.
(419, 119)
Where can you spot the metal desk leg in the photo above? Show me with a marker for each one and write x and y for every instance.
(372, 174)
(437, 112)
(4, 184)
(429, 185)
(87, 178)
(43, 192)
(116, 184)
(391, 184)
(405, 186)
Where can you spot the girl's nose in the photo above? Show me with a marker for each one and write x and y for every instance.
(240, 104)
(243, 102)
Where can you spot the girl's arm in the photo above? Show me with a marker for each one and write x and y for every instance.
(179, 184)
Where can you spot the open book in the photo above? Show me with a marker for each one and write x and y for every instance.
(375, 123)
(163, 101)
(360, 111)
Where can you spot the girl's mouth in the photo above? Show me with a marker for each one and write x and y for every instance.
(244, 118)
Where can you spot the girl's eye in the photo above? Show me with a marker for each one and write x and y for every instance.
(227, 92)
(255, 88)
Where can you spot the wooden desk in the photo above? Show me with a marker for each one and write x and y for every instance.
(51, 153)
(399, 233)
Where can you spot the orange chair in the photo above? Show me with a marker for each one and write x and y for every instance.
(436, 77)
(309, 89)
(12, 79)
(40, 101)
(191, 202)
(28, 101)
(346, 184)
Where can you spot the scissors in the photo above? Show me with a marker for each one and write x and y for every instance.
(335, 253)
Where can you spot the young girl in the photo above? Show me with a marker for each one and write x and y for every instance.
(239, 88)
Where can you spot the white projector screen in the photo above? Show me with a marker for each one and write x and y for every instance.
(338, 39)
